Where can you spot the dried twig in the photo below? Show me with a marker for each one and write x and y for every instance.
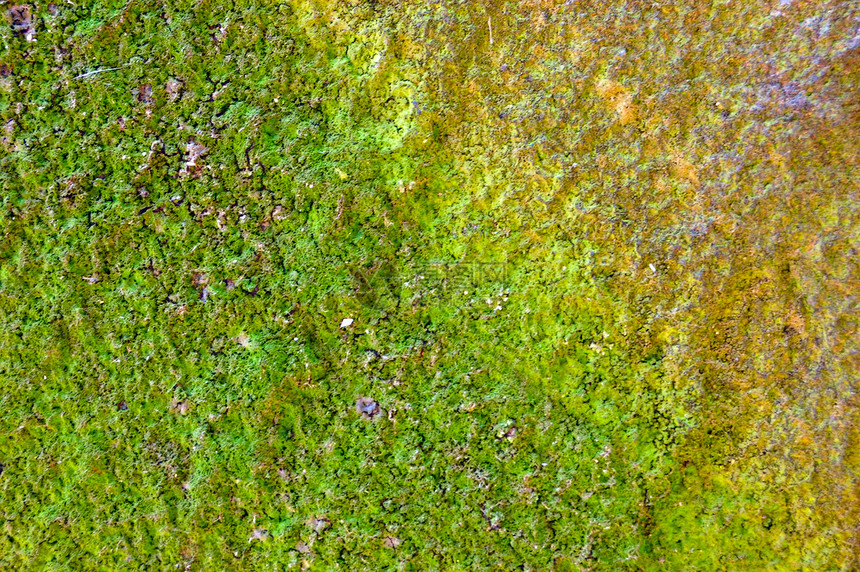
(94, 72)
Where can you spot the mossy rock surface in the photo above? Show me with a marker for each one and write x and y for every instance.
(429, 285)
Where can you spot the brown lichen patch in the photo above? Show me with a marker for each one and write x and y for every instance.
(180, 407)
(173, 88)
(540, 12)
(20, 18)
(144, 94)
(195, 150)
(795, 324)
(303, 547)
(683, 169)
(618, 98)
(8, 130)
(199, 279)
(367, 407)
(319, 524)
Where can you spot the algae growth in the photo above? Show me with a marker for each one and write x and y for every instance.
(429, 285)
